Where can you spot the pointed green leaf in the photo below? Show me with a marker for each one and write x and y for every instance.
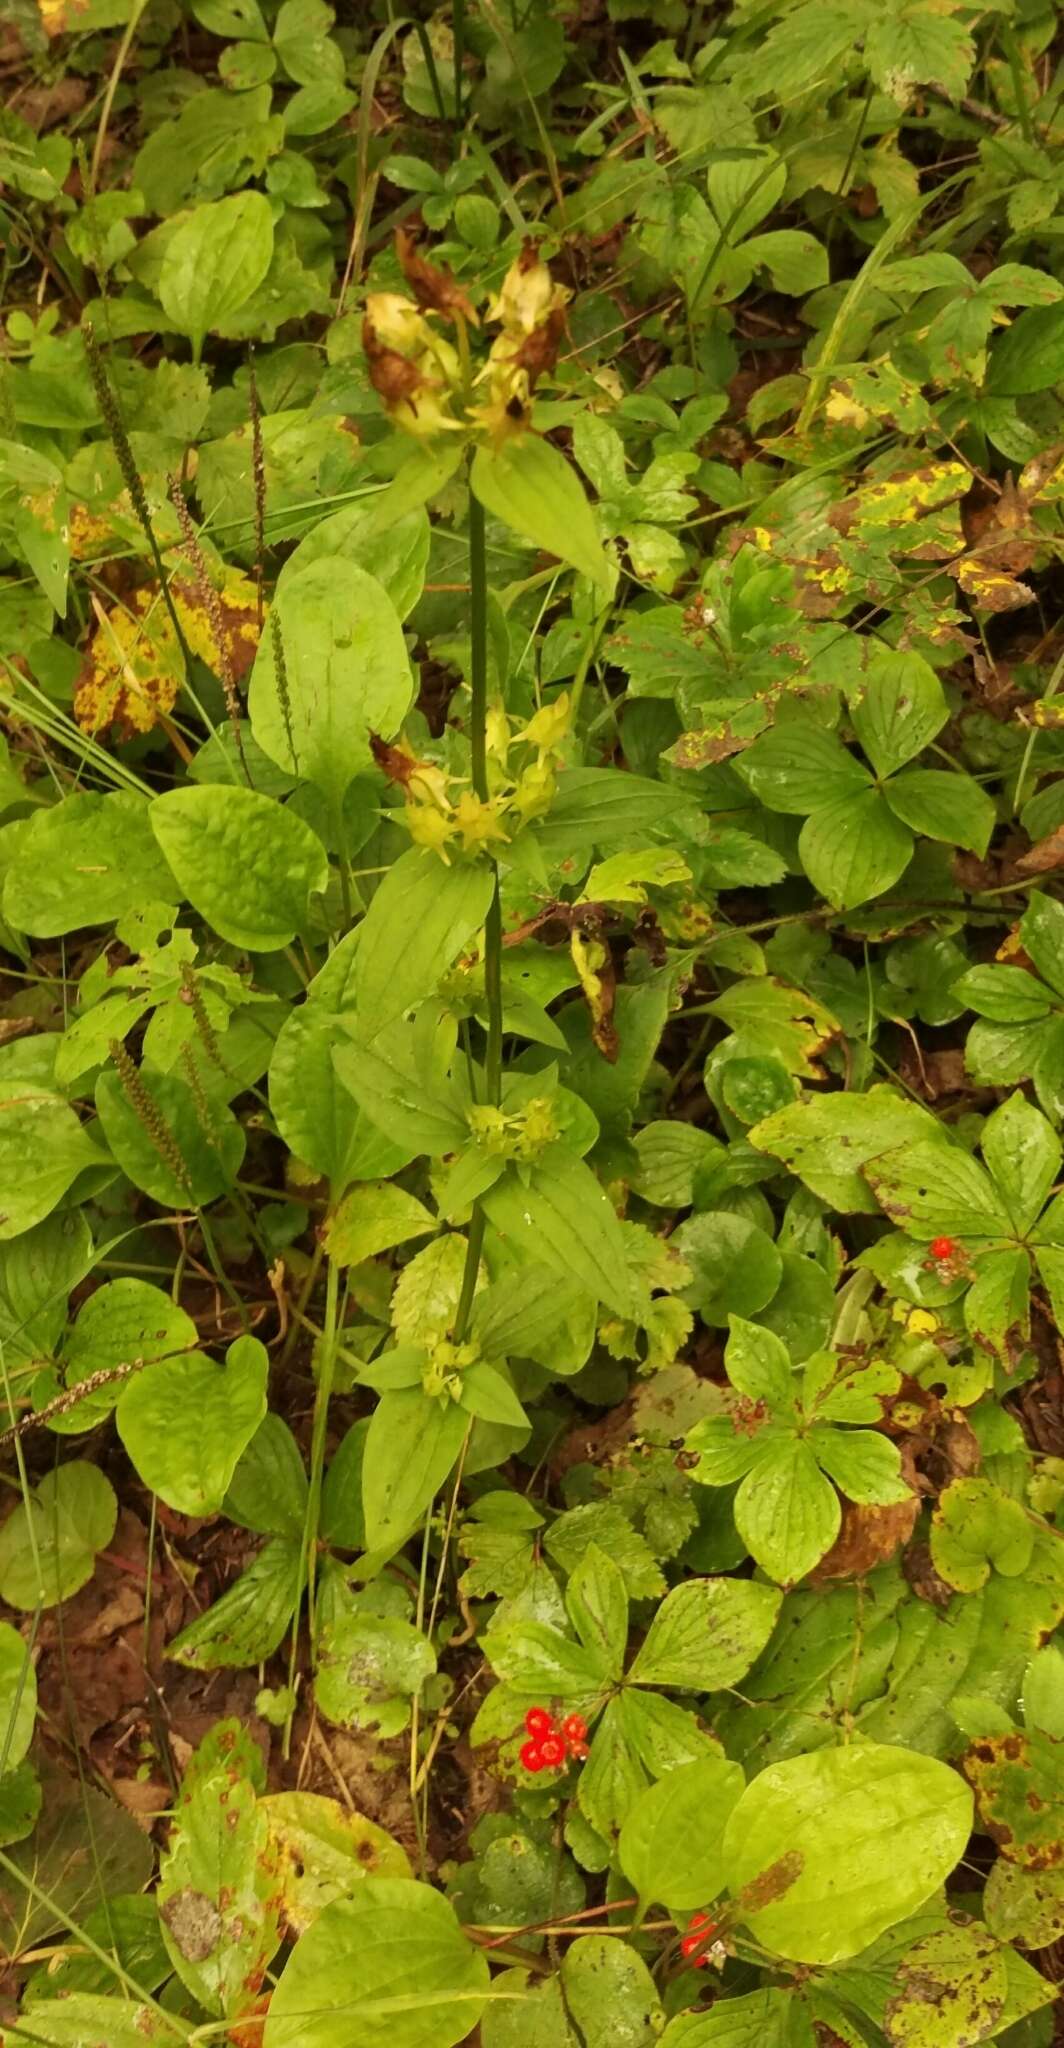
(487, 1393)
(945, 806)
(598, 1608)
(560, 1214)
(317, 1116)
(758, 1365)
(181, 1159)
(1050, 1260)
(827, 1140)
(371, 1218)
(899, 709)
(854, 849)
(415, 1113)
(529, 485)
(1042, 933)
(347, 674)
(1023, 1153)
(934, 1188)
(864, 1464)
(540, 1661)
(787, 1513)
(216, 257)
(412, 1444)
(1007, 995)
(81, 2018)
(706, 1634)
(218, 1880)
(248, 1623)
(798, 768)
(612, 1779)
(18, 1698)
(996, 1306)
(671, 1842)
(421, 917)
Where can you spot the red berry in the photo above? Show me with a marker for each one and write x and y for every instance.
(552, 1751)
(578, 1751)
(538, 1723)
(532, 1756)
(701, 1921)
(942, 1247)
(574, 1729)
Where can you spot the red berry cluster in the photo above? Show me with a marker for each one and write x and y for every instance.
(942, 1247)
(548, 1743)
(698, 1935)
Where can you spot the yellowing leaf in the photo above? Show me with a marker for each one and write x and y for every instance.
(60, 17)
(132, 670)
(133, 667)
(990, 589)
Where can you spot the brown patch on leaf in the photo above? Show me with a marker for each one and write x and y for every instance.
(704, 748)
(869, 1536)
(195, 1923)
(773, 1883)
(922, 1577)
(248, 2033)
(1017, 1780)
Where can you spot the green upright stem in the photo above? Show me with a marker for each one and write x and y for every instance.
(322, 1397)
(474, 1247)
(478, 741)
(459, 59)
(478, 651)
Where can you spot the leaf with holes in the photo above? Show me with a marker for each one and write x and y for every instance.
(219, 1876)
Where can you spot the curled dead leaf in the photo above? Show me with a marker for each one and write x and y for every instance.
(434, 288)
(990, 589)
(1044, 855)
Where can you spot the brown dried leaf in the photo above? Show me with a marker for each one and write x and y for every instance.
(1045, 855)
(393, 378)
(869, 1536)
(990, 589)
(434, 288)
